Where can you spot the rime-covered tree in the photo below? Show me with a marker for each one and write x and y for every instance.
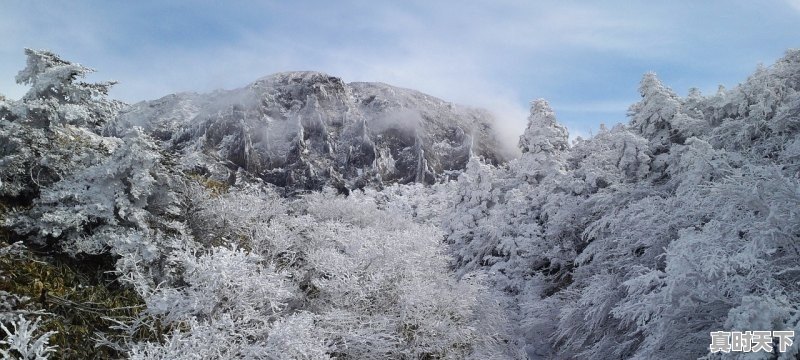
(543, 133)
(543, 144)
(652, 116)
(634, 243)
(124, 205)
(53, 128)
(56, 95)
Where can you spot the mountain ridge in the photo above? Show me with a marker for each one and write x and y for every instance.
(304, 130)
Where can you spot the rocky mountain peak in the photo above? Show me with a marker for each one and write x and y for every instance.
(304, 130)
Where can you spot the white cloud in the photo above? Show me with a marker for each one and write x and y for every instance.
(450, 50)
(795, 4)
(497, 55)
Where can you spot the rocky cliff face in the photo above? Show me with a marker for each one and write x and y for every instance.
(305, 130)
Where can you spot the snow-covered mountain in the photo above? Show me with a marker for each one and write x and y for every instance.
(638, 242)
(305, 130)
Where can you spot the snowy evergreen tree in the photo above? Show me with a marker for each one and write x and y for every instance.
(56, 97)
(652, 116)
(543, 144)
(543, 133)
(52, 129)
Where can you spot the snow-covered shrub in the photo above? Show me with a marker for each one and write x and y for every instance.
(355, 280)
(22, 340)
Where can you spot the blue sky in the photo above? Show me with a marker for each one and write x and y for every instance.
(585, 57)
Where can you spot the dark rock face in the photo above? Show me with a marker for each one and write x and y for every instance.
(305, 130)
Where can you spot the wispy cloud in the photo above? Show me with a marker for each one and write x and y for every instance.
(587, 59)
(795, 4)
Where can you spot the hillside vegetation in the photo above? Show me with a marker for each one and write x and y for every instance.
(151, 238)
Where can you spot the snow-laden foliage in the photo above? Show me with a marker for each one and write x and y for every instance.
(544, 133)
(22, 340)
(330, 277)
(123, 206)
(55, 97)
(652, 116)
(638, 242)
(52, 129)
(635, 243)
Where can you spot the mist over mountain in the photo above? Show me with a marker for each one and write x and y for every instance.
(307, 130)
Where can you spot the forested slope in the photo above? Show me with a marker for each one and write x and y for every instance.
(640, 241)
(158, 232)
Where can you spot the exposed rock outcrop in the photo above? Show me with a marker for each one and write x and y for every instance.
(305, 130)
